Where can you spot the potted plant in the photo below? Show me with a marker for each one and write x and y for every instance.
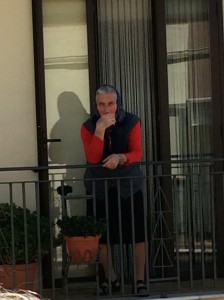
(18, 243)
(81, 234)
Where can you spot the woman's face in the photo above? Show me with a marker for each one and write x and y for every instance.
(106, 103)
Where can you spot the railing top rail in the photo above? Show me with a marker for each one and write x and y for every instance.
(143, 163)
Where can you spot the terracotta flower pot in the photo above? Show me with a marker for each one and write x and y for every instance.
(22, 282)
(83, 249)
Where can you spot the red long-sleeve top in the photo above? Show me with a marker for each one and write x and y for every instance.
(93, 146)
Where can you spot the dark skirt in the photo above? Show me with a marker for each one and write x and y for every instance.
(126, 217)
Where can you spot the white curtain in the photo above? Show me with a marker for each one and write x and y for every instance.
(125, 61)
(125, 56)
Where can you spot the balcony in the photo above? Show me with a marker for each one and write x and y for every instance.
(182, 219)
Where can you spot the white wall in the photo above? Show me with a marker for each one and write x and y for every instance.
(17, 98)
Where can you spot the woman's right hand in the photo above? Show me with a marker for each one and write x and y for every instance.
(106, 121)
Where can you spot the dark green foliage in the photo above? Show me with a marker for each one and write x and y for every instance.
(16, 224)
(80, 226)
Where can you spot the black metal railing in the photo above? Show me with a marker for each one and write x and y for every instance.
(180, 205)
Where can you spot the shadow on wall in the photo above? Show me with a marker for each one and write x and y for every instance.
(67, 128)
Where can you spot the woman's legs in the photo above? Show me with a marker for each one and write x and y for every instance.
(113, 221)
(106, 260)
(140, 268)
(110, 275)
(140, 261)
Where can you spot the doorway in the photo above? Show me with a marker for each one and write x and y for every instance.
(165, 62)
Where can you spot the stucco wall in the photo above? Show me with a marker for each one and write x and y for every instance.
(17, 113)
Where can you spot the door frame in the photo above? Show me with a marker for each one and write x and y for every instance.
(162, 119)
(41, 127)
(217, 80)
(41, 123)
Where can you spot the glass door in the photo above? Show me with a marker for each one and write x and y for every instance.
(67, 99)
(191, 105)
(66, 82)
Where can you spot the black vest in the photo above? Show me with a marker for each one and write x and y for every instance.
(116, 141)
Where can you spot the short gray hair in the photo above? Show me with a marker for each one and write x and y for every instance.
(106, 89)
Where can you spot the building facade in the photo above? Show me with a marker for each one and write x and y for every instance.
(166, 58)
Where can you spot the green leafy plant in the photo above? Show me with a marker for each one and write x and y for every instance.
(19, 231)
(80, 226)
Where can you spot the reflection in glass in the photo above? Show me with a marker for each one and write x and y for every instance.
(190, 112)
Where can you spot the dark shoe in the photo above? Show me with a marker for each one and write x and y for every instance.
(141, 288)
(104, 287)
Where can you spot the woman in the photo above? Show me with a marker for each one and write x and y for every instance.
(112, 138)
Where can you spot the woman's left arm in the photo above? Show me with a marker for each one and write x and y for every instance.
(133, 155)
(134, 145)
